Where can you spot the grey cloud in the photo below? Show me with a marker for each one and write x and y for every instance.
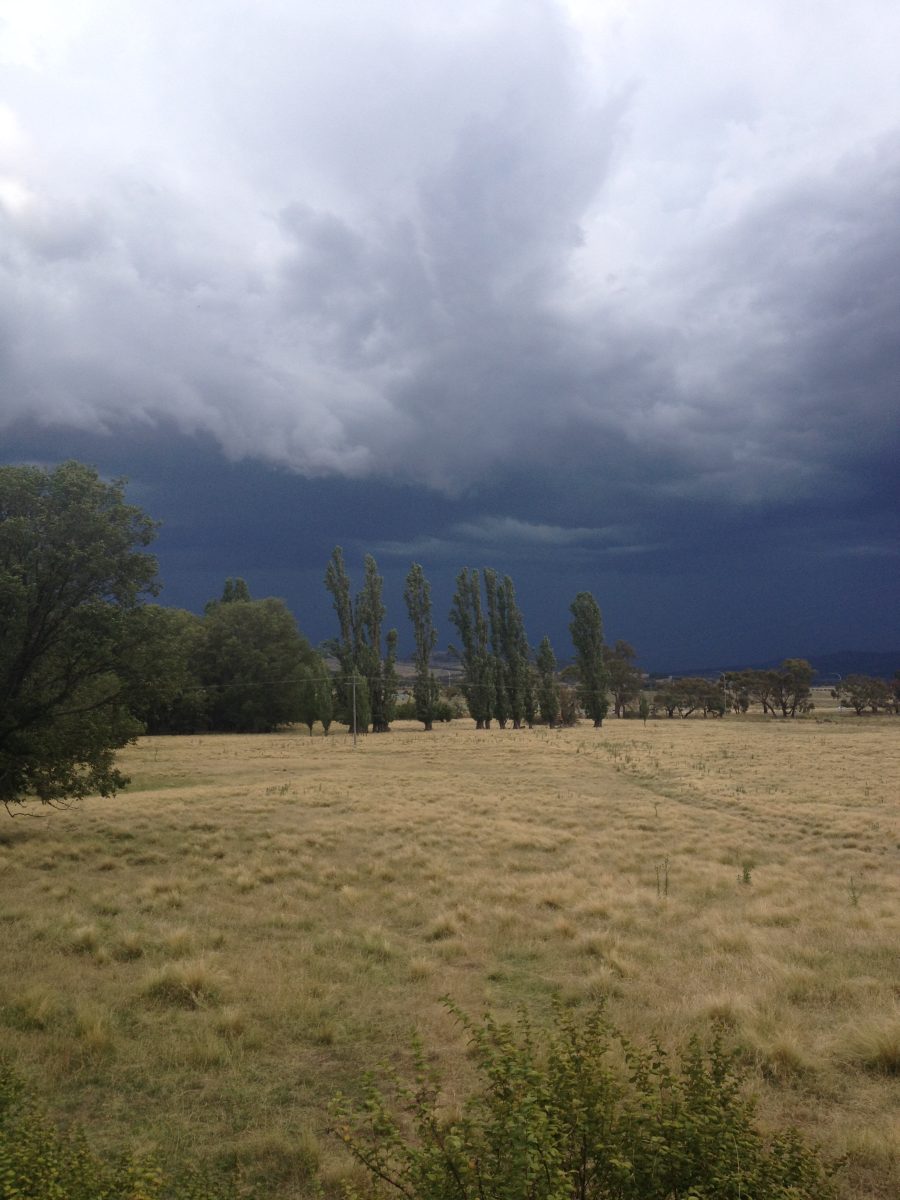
(360, 243)
(510, 539)
(511, 529)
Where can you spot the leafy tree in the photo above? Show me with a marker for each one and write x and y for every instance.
(624, 677)
(862, 692)
(316, 699)
(426, 693)
(337, 582)
(644, 707)
(358, 713)
(497, 628)
(168, 693)
(358, 648)
(552, 1118)
(234, 591)
(548, 685)
(569, 711)
(691, 694)
(73, 572)
(586, 628)
(380, 671)
(793, 687)
(253, 662)
(737, 691)
(516, 658)
(467, 615)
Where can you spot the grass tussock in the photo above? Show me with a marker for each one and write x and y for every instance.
(183, 985)
(873, 1042)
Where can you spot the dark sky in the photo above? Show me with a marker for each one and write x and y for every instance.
(604, 295)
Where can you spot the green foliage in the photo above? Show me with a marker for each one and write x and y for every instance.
(864, 693)
(586, 628)
(690, 694)
(494, 652)
(235, 591)
(569, 710)
(624, 677)
(316, 695)
(72, 575)
(39, 1162)
(787, 690)
(426, 693)
(358, 648)
(548, 686)
(379, 670)
(516, 654)
(467, 616)
(169, 696)
(577, 1114)
(253, 662)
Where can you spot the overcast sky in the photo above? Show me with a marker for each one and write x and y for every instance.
(605, 294)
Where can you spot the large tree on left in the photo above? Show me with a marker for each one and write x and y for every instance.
(73, 572)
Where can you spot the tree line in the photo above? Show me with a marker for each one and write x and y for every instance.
(88, 662)
(243, 666)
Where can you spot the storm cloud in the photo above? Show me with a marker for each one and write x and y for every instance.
(624, 276)
(392, 240)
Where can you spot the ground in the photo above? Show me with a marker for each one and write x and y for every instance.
(200, 963)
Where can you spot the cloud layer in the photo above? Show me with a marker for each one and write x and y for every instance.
(649, 248)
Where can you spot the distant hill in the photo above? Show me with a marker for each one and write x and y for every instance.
(844, 662)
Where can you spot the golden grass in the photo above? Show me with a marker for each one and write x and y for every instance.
(198, 964)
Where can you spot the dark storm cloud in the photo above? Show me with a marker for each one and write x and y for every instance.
(612, 285)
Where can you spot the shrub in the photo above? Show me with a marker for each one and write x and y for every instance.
(580, 1113)
(39, 1162)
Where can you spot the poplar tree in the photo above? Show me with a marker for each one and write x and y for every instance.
(337, 582)
(586, 628)
(516, 657)
(417, 595)
(548, 686)
(379, 670)
(359, 649)
(467, 615)
(497, 627)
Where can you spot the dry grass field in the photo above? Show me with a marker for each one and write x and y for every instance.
(200, 963)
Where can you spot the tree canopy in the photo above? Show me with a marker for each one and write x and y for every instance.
(73, 572)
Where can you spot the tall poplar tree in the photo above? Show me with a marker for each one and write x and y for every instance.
(467, 615)
(417, 594)
(359, 649)
(337, 582)
(497, 623)
(516, 658)
(586, 628)
(548, 685)
(379, 669)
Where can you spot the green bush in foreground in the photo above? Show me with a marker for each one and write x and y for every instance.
(578, 1114)
(39, 1162)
